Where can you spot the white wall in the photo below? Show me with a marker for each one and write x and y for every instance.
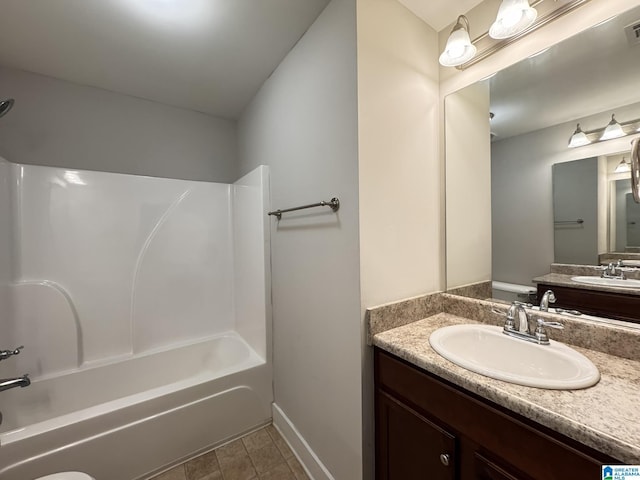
(303, 124)
(399, 168)
(468, 186)
(398, 153)
(522, 206)
(57, 123)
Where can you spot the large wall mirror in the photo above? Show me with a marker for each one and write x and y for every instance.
(519, 199)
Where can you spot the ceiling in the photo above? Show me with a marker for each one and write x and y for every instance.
(206, 55)
(592, 72)
(439, 13)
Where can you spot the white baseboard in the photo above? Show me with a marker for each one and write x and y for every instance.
(313, 466)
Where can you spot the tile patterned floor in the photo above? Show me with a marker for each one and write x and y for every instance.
(261, 455)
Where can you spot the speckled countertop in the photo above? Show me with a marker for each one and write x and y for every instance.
(563, 280)
(605, 416)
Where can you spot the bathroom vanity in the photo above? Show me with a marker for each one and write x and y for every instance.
(426, 424)
(437, 420)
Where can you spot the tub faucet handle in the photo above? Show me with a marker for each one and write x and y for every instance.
(4, 354)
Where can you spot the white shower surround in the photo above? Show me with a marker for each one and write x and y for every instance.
(106, 274)
(110, 265)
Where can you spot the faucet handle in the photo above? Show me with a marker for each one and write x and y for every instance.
(557, 325)
(4, 354)
(541, 334)
(523, 304)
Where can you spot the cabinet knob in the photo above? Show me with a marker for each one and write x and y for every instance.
(444, 459)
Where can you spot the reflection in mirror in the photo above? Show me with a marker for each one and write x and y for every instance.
(536, 202)
(625, 214)
(575, 211)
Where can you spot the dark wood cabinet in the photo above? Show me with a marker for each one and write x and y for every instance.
(487, 469)
(427, 428)
(412, 445)
(595, 302)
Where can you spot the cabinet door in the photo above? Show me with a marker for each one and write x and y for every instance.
(410, 447)
(485, 469)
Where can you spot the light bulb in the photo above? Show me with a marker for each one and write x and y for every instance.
(459, 48)
(613, 130)
(578, 139)
(514, 16)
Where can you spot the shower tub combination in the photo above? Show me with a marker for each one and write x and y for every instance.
(158, 357)
(136, 416)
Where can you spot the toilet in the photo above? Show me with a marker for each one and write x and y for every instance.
(512, 292)
(66, 476)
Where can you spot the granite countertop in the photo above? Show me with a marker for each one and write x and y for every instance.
(605, 416)
(564, 280)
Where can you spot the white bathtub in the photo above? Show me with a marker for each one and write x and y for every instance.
(128, 419)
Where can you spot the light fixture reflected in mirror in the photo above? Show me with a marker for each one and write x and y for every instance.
(612, 130)
(623, 166)
(459, 48)
(579, 138)
(514, 16)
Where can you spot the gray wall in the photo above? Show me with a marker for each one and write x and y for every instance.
(521, 206)
(303, 124)
(622, 187)
(575, 196)
(61, 124)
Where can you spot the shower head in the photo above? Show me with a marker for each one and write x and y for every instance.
(5, 106)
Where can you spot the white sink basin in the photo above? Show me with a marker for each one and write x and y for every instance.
(486, 350)
(608, 282)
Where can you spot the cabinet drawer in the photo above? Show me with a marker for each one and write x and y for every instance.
(519, 442)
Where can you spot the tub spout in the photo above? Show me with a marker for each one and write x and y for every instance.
(7, 383)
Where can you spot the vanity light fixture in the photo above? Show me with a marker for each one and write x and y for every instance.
(623, 166)
(514, 17)
(579, 138)
(459, 48)
(612, 130)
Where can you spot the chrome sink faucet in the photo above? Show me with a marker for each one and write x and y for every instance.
(517, 313)
(547, 298)
(523, 331)
(8, 383)
(614, 271)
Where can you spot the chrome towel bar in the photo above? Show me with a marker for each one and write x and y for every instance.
(334, 203)
(567, 222)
